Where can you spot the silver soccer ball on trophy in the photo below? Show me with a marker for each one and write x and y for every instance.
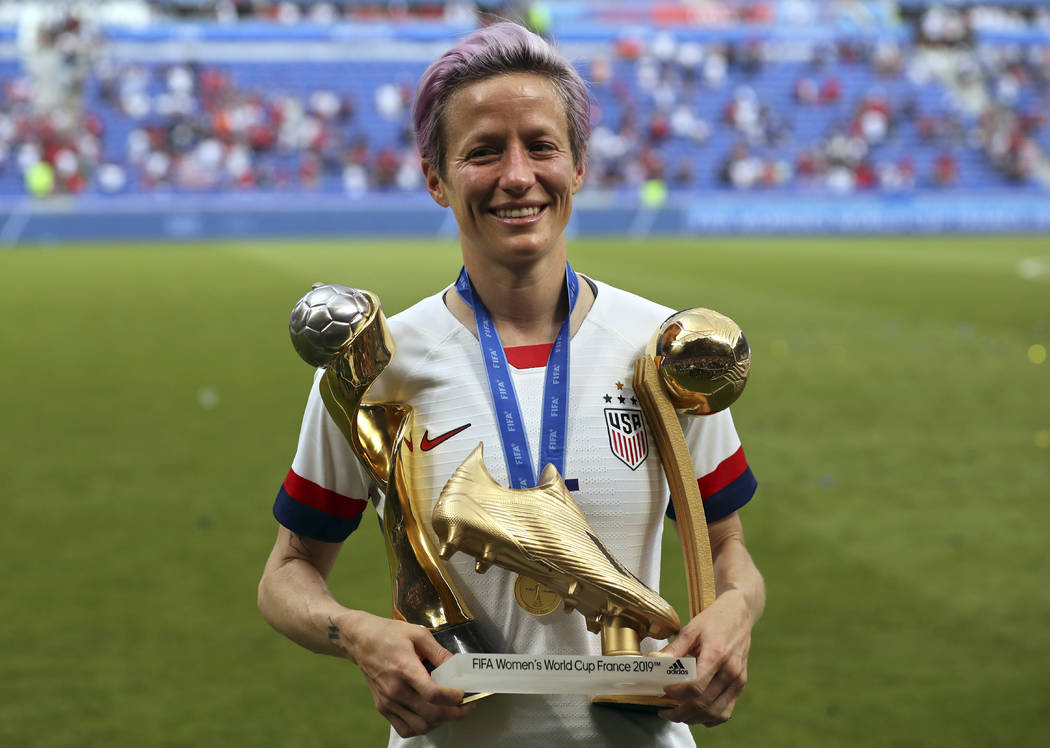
(325, 318)
(703, 360)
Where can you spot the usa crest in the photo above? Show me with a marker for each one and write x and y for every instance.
(627, 435)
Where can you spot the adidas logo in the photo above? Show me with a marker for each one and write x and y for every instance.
(677, 668)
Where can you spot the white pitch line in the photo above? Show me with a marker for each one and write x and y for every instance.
(16, 222)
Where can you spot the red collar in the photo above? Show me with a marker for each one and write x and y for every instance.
(528, 356)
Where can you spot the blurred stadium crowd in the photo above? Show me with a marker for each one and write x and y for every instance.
(733, 95)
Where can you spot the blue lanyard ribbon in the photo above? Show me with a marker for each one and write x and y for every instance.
(511, 426)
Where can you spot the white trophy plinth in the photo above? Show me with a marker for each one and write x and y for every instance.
(579, 674)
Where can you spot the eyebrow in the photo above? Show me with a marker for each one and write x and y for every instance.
(481, 134)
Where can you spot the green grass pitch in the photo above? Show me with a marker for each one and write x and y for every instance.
(897, 418)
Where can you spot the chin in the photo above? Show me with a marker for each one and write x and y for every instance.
(528, 254)
(530, 245)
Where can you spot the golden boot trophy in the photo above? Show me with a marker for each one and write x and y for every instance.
(540, 532)
(344, 331)
(698, 363)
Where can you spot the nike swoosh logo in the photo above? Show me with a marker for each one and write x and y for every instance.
(427, 444)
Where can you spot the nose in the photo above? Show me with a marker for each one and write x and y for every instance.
(517, 175)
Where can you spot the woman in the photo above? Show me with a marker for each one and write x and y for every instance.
(502, 123)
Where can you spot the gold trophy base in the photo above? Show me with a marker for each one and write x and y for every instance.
(619, 637)
(470, 698)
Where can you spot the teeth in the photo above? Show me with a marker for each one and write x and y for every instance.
(517, 212)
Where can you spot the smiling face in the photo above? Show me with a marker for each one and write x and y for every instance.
(509, 175)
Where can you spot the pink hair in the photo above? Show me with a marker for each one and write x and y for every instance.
(496, 50)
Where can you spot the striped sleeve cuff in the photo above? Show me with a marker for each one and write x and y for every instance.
(312, 510)
(726, 488)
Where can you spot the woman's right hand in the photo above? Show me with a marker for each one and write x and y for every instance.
(391, 653)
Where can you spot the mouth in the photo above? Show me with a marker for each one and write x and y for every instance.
(519, 213)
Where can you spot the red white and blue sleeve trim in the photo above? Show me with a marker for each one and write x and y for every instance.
(726, 488)
(312, 510)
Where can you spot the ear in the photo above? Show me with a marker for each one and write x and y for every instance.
(581, 171)
(435, 186)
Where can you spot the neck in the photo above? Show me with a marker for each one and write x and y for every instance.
(526, 308)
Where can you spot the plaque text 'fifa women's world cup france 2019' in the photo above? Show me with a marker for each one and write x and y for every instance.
(566, 664)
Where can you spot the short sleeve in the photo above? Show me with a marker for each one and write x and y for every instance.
(725, 478)
(326, 490)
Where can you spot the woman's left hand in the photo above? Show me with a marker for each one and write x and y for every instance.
(720, 639)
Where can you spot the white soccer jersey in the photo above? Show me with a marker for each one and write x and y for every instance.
(612, 471)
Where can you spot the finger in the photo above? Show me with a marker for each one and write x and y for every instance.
(690, 711)
(721, 709)
(429, 692)
(693, 697)
(427, 701)
(435, 704)
(428, 648)
(692, 714)
(711, 706)
(439, 713)
(418, 715)
(682, 645)
(718, 685)
(678, 648)
(444, 696)
(404, 721)
(696, 688)
(432, 693)
(399, 725)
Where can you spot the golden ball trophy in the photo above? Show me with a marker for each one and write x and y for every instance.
(697, 363)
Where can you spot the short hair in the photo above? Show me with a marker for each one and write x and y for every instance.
(496, 50)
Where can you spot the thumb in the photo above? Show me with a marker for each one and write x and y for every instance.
(428, 649)
(681, 646)
(677, 648)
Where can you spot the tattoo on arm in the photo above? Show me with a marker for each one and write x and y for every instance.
(295, 542)
(333, 630)
(728, 586)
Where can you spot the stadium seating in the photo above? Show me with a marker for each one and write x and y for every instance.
(926, 140)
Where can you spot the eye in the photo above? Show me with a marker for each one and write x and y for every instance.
(481, 152)
(543, 146)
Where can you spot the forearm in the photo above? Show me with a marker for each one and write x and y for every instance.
(296, 601)
(720, 635)
(294, 598)
(733, 567)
